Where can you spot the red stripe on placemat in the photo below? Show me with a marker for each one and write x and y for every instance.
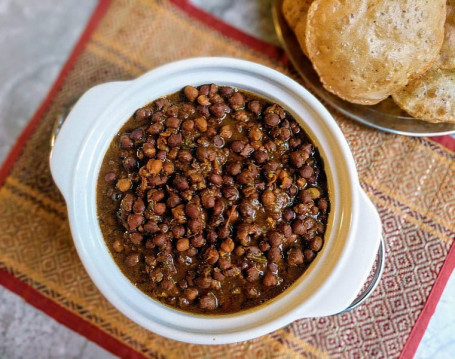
(421, 325)
(446, 141)
(266, 48)
(31, 295)
(65, 317)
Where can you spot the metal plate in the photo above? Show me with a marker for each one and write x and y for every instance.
(385, 116)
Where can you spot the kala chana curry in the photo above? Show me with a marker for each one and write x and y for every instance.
(212, 200)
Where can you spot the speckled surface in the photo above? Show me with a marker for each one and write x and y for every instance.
(28, 333)
(32, 52)
(253, 16)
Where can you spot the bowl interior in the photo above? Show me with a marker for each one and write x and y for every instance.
(151, 314)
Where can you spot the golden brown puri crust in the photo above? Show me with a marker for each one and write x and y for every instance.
(447, 55)
(299, 31)
(294, 10)
(365, 50)
(430, 97)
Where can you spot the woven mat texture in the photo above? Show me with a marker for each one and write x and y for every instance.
(411, 181)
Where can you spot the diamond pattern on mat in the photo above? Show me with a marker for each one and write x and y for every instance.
(435, 251)
(390, 312)
(425, 274)
(386, 328)
(396, 166)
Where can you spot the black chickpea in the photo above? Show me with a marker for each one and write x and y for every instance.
(191, 93)
(183, 244)
(211, 197)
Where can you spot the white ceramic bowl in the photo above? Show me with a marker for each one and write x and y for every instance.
(333, 279)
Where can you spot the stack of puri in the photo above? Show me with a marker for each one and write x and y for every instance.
(367, 50)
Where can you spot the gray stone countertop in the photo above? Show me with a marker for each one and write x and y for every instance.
(36, 38)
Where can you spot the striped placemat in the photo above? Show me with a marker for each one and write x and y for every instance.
(410, 180)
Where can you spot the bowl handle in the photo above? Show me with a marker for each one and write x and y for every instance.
(366, 292)
(74, 128)
(349, 278)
